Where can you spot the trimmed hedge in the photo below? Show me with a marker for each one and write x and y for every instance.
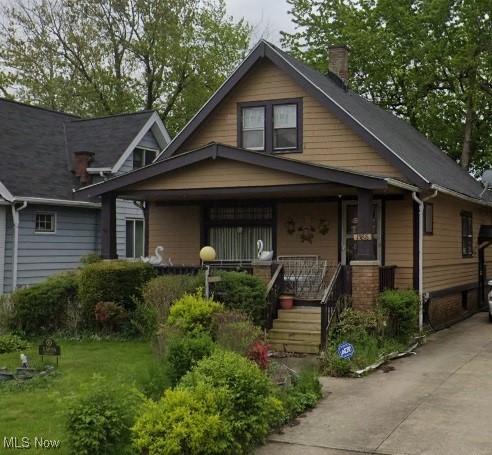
(120, 282)
(42, 308)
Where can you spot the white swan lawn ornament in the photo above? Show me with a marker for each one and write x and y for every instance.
(263, 255)
(156, 259)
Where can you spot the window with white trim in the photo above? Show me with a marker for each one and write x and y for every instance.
(253, 128)
(45, 223)
(135, 238)
(284, 126)
(142, 157)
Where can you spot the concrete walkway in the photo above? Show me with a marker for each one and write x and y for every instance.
(436, 402)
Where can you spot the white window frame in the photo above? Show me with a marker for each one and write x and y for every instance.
(344, 235)
(243, 129)
(145, 150)
(133, 220)
(52, 214)
(295, 147)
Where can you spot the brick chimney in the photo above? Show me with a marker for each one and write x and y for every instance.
(338, 57)
(81, 161)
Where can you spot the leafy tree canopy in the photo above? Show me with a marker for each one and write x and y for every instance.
(108, 56)
(429, 61)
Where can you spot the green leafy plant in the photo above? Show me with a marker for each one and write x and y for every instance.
(186, 421)
(12, 343)
(110, 316)
(99, 421)
(241, 291)
(112, 281)
(401, 308)
(184, 352)
(193, 313)
(90, 258)
(6, 312)
(42, 308)
(154, 380)
(252, 409)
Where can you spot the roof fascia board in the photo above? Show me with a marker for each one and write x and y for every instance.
(61, 202)
(5, 193)
(256, 53)
(153, 121)
(386, 151)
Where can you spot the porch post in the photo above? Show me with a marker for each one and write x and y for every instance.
(365, 267)
(108, 226)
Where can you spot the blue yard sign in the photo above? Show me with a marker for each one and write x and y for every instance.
(345, 350)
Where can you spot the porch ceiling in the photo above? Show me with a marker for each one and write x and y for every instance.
(276, 171)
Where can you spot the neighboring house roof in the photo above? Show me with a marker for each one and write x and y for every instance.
(214, 151)
(36, 146)
(421, 162)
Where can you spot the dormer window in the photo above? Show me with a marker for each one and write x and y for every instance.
(142, 157)
(270, 126)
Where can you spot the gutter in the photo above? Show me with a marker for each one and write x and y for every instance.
(402, 185)
(63, 202)
(420, 202)
(15, 219)
(443, 190)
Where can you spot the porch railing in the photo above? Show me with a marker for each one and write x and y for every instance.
(236, 266)
(333, 303)
(274, 288)
(387, 277)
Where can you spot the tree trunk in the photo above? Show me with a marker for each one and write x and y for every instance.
(466, 152)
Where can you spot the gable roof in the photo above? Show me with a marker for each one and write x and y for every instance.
(37, 145)
(421, 162)
(214, 151)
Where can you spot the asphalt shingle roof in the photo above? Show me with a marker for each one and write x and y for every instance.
(36, 146)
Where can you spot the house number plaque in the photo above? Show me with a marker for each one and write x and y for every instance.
(362, 236)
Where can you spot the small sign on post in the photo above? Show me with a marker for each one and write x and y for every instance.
(345, 350)
(49, 347)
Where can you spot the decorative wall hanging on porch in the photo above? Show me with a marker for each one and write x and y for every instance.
(324, 226)
(306, 233)
(291, 225)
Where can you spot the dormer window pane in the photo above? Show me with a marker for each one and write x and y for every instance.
(253, 126)
(285, 126)
(142, 157)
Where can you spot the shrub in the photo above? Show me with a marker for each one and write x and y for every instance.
(42, 308)
(185, 351)
(233, 330)
(302, 394)
(155, 379)
(12, 343)
(258, 353)
(110, 316)
(185, 421)
(112, 281)
(99, 421)
(193, 313)
(90, 258)
(241, 291)
(251, 407)
(401, 307)
(6, 313)
(355, 326)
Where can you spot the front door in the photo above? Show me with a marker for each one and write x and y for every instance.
(349, 228)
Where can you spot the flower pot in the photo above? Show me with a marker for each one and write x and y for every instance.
(286, 302)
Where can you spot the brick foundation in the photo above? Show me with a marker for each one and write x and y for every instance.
(451, 308)
(263, 270)
(365, 284)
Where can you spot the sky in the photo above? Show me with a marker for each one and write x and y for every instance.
(267, 17)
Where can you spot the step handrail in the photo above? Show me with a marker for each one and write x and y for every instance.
(273, 290)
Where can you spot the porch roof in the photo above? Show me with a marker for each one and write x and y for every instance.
(317, 175)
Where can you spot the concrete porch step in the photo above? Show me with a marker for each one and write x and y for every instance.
(303, 347)
(294, 335)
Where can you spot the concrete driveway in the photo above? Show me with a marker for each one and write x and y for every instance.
(436, 402)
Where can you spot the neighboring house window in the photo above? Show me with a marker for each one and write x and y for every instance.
(467, 234)
(143, 157)
(270, 126)
(45, 223)
(134, 238)
(428, 218)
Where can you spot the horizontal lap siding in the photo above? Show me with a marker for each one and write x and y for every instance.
(42, 255)
(399, 240)
(3, 228)
(308, 215)
(177, 229)
(149, 141)
(221, 173)
(444, 265)
(326, 139)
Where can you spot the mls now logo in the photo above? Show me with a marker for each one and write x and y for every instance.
(345, 350)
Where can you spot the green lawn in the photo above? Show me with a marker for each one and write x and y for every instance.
(40, 412)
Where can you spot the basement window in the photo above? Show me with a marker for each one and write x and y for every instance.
(45, 223)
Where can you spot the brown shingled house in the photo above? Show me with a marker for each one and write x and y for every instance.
(290, 156)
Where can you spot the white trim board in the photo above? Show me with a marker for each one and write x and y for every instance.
(3, 228)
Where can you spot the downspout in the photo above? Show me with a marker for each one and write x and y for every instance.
(420, 203)
(15, 219)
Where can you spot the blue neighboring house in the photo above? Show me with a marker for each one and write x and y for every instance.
(45, 155)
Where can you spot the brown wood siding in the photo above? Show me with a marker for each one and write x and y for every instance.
(444, 265)
(399, 240)
(326, 139)
(308, 214)
(177, 229)
(221, 173)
